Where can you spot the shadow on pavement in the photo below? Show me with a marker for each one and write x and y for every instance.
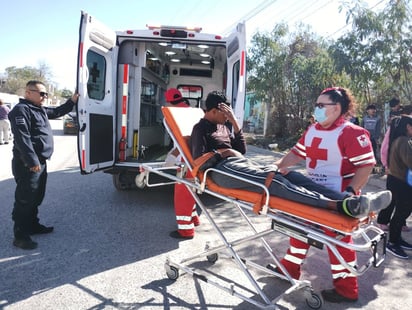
(96, 229)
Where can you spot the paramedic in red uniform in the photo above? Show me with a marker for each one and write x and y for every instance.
(339, 155)
(185, 206)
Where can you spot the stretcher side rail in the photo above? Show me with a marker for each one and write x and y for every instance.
(284, 215)
(308, 232)
(288, 223)
(143, 178)
(289, 228)
(281, 217)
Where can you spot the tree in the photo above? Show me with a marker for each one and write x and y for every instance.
(287, 71)
(377, 52)
(66, 93)
(16, 78)
(265, 62)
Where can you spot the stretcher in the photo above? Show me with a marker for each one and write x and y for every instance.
(292, 219)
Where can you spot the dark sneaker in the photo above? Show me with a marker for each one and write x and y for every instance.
(396, 250)
(405, 245)
(352, 207)
(25, 243)
(360, 206)
(332, 296)
(41, 229)
(175, 234)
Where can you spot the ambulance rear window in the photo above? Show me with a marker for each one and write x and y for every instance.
(96, 65)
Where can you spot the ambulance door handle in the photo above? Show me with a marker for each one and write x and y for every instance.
(83, 128)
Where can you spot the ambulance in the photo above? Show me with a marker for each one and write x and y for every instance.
(122, 77)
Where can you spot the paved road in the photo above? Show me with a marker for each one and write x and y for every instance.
(109, 248)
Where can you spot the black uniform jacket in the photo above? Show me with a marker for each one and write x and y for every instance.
(32, 133)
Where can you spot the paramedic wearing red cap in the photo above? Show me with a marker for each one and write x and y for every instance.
(185, 206)
(339, 155)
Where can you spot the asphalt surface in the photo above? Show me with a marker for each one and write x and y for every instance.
(109, 248)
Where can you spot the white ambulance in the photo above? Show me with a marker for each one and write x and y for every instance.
(122, 78)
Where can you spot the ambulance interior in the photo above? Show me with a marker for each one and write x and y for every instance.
(195, 69)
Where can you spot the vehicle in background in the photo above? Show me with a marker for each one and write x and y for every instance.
(70, 123)
(122, 78)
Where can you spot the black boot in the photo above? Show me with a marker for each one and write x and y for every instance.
(37, 228)
(41, 229)
(22, 240)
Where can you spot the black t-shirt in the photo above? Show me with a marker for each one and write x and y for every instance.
(207, 137)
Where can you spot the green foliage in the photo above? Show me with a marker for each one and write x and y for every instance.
(16, 78)
(287, 71)
(376, 53)
(66, 93)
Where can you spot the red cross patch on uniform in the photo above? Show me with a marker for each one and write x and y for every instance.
(363, 140)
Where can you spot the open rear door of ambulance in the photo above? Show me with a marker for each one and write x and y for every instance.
(97, 103)
(236, 77)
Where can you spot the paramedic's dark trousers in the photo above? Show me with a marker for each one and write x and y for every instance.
(29, 194)
(293, 186)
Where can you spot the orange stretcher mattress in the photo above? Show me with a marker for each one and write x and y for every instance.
(180, 122)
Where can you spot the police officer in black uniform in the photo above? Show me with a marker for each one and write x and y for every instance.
(33, 145)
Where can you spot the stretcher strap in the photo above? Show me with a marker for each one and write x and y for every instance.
(200, 161)
(208, 160)
(258, 206)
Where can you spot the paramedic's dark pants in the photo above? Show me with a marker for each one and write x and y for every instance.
(293, 186)
(29, 194)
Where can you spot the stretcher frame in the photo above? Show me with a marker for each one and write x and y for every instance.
(287, 217)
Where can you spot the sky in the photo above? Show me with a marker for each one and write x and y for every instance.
(35, 32)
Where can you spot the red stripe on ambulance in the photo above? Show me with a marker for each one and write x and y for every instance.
(122, 142)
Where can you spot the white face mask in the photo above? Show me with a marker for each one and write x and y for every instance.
(320, 114)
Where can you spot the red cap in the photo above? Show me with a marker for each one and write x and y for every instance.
(173, 95)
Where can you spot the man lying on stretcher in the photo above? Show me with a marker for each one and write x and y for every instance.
(219, 132)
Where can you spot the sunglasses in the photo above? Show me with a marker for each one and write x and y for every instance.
(41, 93)
(321, 105)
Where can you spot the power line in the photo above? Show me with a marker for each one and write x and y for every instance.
(347, 25)
(251, 14)
(314, 11)
(291, 13)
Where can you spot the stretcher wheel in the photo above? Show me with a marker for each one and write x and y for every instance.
(212, 258)
(314, 301)
(172, 272)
